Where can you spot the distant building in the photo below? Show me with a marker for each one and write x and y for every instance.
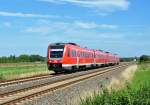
(135, 60)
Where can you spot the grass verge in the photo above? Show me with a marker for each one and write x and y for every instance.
(19, 71)
(136, 92)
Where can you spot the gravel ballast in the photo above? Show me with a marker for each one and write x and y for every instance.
(71, 95)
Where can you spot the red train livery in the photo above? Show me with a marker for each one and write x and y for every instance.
(71, 57)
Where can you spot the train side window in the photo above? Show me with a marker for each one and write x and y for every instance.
(81, 54)
(68, 52)
(74, 53)
(78, 54)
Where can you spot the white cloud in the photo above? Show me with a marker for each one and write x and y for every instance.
(42, 29)
(74, 29)
(108, 26)
(19, 14)
(107, 5)
(85, 25)
(93, 35)
(93, 25)
(45, 26)
(111, 35)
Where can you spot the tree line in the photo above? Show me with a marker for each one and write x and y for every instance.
(22, 58)
(38, 58)
(128, 59)
(142, 58)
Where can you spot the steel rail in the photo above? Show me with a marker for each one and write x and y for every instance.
(21, 80)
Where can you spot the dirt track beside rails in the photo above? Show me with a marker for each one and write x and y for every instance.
(125, 76)
(72, 94)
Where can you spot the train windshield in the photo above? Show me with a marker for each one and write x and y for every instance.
(56, 51)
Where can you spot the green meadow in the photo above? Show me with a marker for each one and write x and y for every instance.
(20, 70)
(137, 92)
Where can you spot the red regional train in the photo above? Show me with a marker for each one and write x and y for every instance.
(72, 57)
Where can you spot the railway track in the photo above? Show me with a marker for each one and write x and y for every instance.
(17, 96)
(28, 79)
(22, 80)
(26, 84)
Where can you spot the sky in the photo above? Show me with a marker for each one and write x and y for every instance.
(117, 26)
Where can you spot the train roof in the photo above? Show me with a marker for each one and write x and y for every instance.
(70, 43)
(60, 43)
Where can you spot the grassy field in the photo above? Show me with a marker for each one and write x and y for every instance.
(20, 70)
(137, 92)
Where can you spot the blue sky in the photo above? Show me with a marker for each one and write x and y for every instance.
(118, 26)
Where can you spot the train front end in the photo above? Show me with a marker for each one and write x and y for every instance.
(55, 56)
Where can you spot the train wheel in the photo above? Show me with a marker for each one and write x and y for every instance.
(74, 68)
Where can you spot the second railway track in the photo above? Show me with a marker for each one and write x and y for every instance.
(22, 80)
(16, 96)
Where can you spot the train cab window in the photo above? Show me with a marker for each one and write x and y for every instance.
(56, 54)
(56, 51)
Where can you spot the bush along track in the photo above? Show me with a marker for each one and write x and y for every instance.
(136, 92)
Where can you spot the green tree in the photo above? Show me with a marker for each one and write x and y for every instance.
(24, 58)
(34, 58)
(21, 58)
(12, 58)
(4, 59)
(144, 58)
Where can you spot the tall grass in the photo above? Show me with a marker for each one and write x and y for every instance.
(135, 93)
